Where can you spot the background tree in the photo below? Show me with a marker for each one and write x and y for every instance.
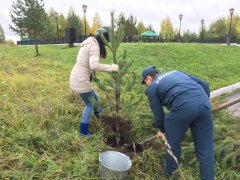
(53, 22)
(74, 21)
(192, 37)
(235, 19)
(188, 36)
(45, 34)
(88, 28)
(238, 29)
(120, 21)
(207, 36)
(140, 27)
(17, 16)
(97, 23)
(166, 29)
(30, 16)
(128, 25)
(202, 35)
(185, 36)
(34, 20)
(2, 36)
(62, 22)
(218, 29)
(150, 28)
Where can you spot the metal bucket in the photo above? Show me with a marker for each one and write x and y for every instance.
(114, 165)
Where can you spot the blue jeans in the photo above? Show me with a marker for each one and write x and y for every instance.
(89, 105)
(196, 116)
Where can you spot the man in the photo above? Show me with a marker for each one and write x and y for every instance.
(187, 99)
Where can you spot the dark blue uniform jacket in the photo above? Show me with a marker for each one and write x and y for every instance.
(173, 89)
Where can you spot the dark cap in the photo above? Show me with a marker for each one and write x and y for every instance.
(147, 71)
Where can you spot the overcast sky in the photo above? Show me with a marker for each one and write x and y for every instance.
(149, 11)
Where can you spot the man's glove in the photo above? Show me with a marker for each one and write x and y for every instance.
(158, 126)
(161, 135)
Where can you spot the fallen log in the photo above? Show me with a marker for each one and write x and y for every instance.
(225, 105)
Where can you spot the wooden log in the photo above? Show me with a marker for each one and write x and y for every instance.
(225, 105)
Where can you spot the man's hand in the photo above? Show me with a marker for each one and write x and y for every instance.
(161, 135)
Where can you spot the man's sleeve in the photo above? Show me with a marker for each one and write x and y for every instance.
(204, 84)
(158, 112)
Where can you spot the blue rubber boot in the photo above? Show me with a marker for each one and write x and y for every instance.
(84, 129)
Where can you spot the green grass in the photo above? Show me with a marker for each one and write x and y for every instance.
(218, 64)
(39, 118)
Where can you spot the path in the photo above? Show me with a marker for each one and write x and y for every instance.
(234, 109)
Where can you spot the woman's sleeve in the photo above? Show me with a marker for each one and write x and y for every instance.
(94, 61)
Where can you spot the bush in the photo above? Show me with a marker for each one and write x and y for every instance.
(10, 42)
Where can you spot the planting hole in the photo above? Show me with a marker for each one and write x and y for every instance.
(120, 138)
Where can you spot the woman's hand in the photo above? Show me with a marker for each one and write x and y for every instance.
(114, 67)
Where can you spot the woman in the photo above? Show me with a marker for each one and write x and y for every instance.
(92, 49)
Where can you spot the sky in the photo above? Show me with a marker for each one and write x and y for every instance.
(149, 11)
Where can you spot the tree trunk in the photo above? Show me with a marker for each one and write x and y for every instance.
(117, 135)
(117, 102)
(36, 46)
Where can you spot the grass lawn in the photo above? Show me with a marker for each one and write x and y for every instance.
(39, 118)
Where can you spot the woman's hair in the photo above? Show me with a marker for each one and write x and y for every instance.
(103, 52)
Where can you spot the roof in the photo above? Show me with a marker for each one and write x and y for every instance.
(100, 30)
(149, 33)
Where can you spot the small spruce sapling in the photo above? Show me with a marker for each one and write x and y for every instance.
(119, 99)
(121, 82)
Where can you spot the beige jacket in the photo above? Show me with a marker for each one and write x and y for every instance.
(87, 61)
